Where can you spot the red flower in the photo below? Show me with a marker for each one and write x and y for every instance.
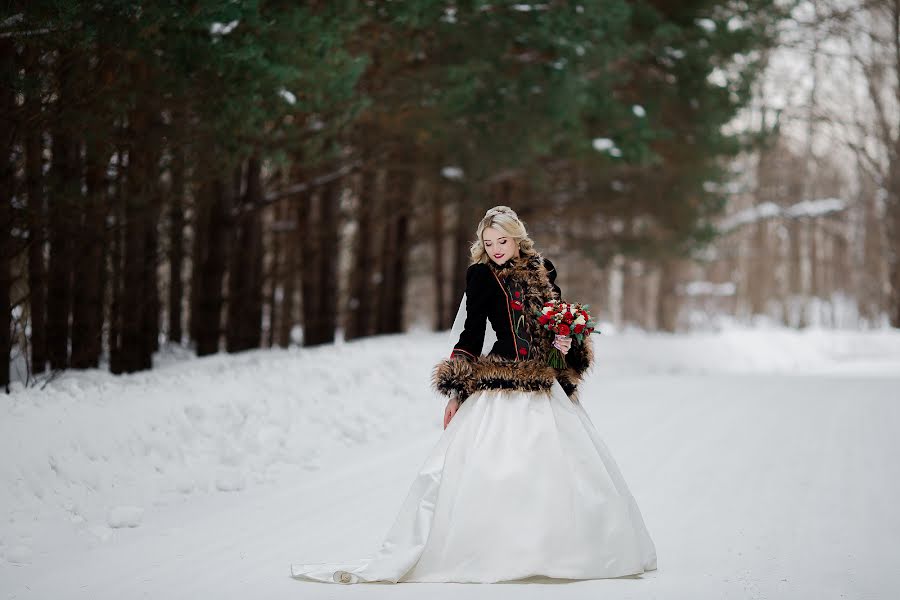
(523, 351)
(567, 317)
(516, 294)
(563, 329)
(579, 328)
(516, 304)
(543, 319)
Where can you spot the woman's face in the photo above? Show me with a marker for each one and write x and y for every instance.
(498, 245)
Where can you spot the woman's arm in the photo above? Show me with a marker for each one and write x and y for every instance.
(454, 375)
(471, 340)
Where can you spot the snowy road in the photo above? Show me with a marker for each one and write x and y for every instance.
(752, 486)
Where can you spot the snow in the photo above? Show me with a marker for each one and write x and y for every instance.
(125, 516)
(606, 145)
(675, 53)
(529, 7)
(638, 111)
(769, 210)
(816, 208)
(707, 25)
(727, 187)
(735, 23)
(217, 28)
(718, 77)
(762, 459)
(288, 96)
(12, 20)
(452, 173)
(708, 288)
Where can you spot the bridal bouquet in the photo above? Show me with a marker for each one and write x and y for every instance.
(566, 318)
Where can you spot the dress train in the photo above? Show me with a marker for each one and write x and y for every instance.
(519, 484)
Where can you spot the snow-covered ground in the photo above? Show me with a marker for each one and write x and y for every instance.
(763, 461)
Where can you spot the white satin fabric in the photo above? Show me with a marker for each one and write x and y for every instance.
(519, 484)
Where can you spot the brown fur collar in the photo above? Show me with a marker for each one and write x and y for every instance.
(531, 273)
(534, 374)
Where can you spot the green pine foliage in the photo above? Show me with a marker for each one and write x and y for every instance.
(605, 118)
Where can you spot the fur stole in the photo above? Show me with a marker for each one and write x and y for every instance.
(487, 372)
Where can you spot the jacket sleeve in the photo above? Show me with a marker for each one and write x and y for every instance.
(580, 357)
(471, 340)
(455, 375)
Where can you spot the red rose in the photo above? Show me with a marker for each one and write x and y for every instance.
(579, 328)
(543, 319)
(563, 329)
(516, 294)
(568, 318)
(523, 351)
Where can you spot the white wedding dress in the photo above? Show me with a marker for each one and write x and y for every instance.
(519, 484)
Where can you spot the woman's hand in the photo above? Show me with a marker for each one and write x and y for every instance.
(563, 343)
(452, 407)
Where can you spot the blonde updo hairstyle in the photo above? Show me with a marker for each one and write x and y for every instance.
(504, 219)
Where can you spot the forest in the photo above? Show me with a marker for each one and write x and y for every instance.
(228, 176)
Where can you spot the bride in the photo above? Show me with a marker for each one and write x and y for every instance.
(520, 483)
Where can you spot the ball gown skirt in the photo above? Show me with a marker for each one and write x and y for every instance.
(519, 484)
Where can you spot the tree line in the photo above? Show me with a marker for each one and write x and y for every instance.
(185, 173)
(813, 234)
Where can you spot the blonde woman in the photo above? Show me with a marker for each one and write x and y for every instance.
(520, 484)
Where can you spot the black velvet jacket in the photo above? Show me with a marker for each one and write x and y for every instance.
(509, 296)
(489, 296)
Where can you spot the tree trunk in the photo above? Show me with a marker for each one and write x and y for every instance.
(211, 273)
(288, 274)
(66, 179)
(87, 326)
(134, 250)
(893, 182)
(462, 235)
(176, 243)
(669, 299)
(307, 229)
(151, 262)
(202, 211)
(140, 325)
(631, 293)
(254, 251)
(872, 253)
(245, 280)
(815, 260)
(760, 269)
(437, 225)
(327, 316)
(7, 189)
(892, 209)
(361, 303)
(384, 286)
(116, 261)
(398, 191)
(37, 211)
